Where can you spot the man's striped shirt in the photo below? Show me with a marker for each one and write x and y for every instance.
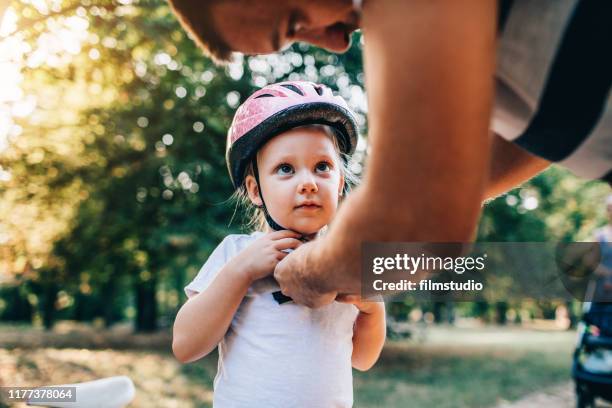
(553, 81)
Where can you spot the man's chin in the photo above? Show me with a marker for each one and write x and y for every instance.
(337, 50)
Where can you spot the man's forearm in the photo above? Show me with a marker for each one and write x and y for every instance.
(510, 166)
(430, 94)
(430, 97)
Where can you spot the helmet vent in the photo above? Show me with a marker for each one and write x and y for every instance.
(293, 88)
(319, 90)
(264, 96)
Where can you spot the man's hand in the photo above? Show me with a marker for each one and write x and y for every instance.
(299, 280)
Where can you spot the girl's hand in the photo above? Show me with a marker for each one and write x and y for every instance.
(259, 259)
(373, 305)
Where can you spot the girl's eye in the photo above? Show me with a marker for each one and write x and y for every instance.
(323, 167)
(284, 169)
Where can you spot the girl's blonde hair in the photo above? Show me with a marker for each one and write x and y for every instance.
(255, 217)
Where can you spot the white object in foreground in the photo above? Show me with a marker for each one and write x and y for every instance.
(111, 392)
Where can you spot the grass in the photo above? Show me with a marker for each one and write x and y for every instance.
(452, 367)
(450, 378)
(466, 368)
(159, 379)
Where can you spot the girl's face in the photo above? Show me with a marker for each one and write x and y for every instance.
(300, 177)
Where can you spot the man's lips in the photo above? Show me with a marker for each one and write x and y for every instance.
(338, 36)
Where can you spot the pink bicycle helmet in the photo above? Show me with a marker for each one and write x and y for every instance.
(279, 107)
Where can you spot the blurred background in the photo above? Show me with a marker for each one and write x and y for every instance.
(114, 190)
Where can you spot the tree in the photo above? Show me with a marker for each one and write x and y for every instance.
(134, 160)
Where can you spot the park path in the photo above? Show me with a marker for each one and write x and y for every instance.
(559, 396)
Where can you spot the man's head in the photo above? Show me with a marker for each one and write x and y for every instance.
(265, 26)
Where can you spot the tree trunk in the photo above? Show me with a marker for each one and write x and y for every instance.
(49, 297)
(501, 308)
(108, 311)
(450, 312)
(17, 306)
(437, 312)
(146, 304)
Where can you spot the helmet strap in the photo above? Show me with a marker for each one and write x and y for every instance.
(273, 224)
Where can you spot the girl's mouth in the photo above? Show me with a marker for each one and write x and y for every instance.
(308, 207)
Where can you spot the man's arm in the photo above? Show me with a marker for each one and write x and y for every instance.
(510, 166)
(429, 74)
(429, 71)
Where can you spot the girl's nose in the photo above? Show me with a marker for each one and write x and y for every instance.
(308, 185)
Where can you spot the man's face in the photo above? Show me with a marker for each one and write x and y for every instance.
(266, 26)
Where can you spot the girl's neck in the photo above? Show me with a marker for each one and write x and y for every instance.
(305, 237)
(310, 237)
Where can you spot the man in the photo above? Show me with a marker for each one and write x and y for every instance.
(432, 69)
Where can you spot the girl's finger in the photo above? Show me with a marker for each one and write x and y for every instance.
(287, 243)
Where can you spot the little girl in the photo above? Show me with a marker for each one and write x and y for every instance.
(286, 151)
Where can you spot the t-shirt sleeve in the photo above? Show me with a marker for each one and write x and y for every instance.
(215, 262)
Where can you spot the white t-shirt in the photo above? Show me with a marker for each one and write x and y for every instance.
(279, 355)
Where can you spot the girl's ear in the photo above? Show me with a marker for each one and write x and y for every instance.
(341, 185)
(252, 190)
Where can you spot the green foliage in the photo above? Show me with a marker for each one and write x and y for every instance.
(117, 187)
(129, 181)
(554, 206)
